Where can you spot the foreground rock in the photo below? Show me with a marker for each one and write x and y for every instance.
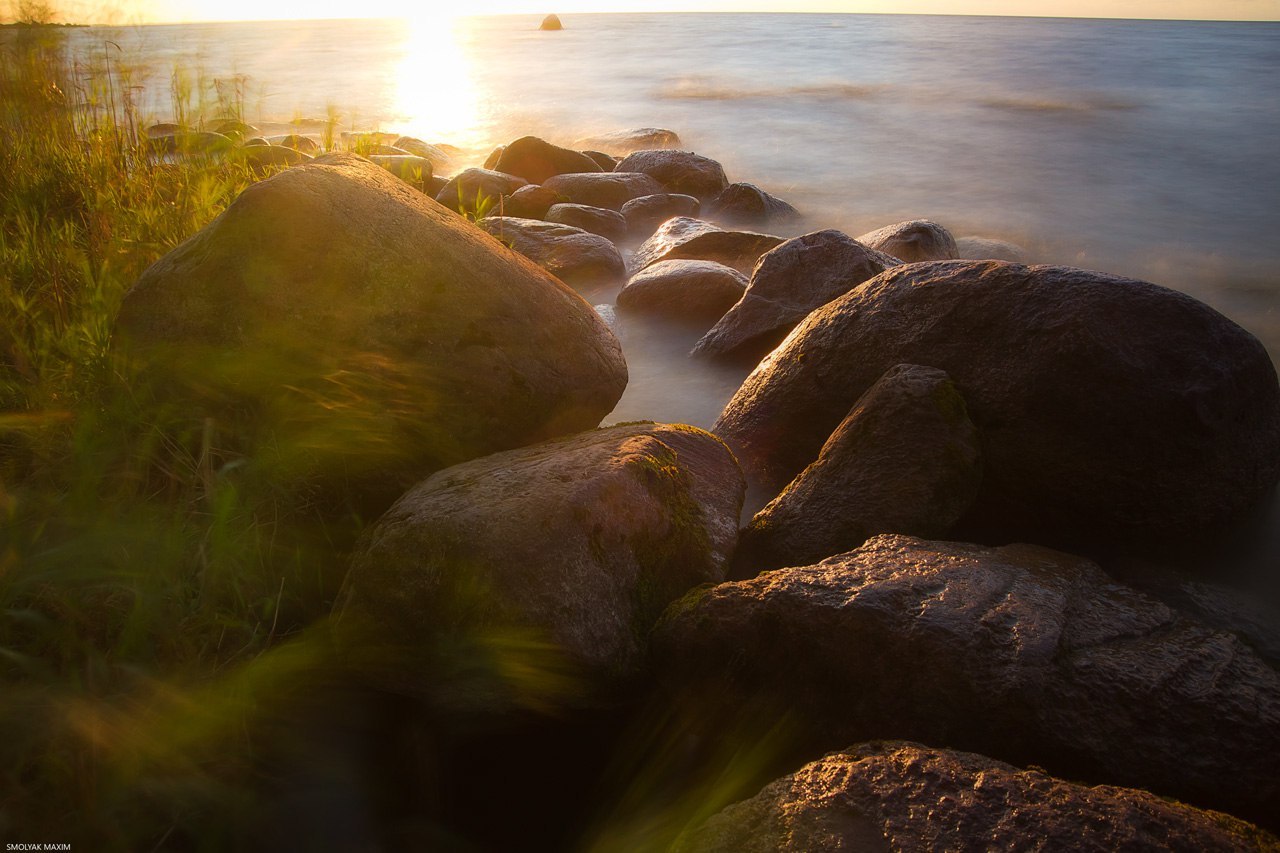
(1115, 415)
(681, 172)
(578, 258)
(604, 189)
(747, 204)
(689, 292)
(906, 459)
(477, 192)
(535, 160)
(374, 334)
(904, 796)
(559, 556)
(627, 141)
(1021, 653)
(683, 238)
(645, 214)
(917, 240)
(789, 282)
(598, 220)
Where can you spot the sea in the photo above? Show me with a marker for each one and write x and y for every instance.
(1144, 148)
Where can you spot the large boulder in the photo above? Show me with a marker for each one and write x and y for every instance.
(559, 557)
(679, 171)
(684, 238)
(1021, 653)
(626, 141)
(646, 213)
(903, 796)
(477, 192)
(578, 258)
(535, 160)
(1115, 415)
(606, 223)
(689, 292)
(788, 282)
(603, 189)
(368, 331)
(529, 202)
(747, 204)
(916, 240)
(905, 460)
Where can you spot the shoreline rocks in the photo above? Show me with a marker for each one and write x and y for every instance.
(684, 238)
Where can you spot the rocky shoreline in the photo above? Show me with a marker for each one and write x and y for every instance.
(946, 457)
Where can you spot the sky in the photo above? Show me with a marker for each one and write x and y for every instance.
(152, 11)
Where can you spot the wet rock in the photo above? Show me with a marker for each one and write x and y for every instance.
(684, 238)
(606, 162)
(646, 213)
(604, 189)
(747, 204)
(531, 202)
(578, 258)
(607, 223)
(1021, 653)
(898, 795)
(438, 156)
(532, 577)
(371, 336)
(551, 22)
(535, 160)
(413, 170)
(987, 249)
(476, 192)
(905, 460)
(297, 142)
(689, 292)
(627, 141)
(1116, 416)
(679, 171)
(263, 159)
(788, 282)
(917, 240)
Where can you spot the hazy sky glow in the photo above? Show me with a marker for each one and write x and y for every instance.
(133, 11)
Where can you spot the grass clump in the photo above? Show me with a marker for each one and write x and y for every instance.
(155, 596)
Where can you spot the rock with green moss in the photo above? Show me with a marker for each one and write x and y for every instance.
(532, 578)
(906, 459)
(904, 796)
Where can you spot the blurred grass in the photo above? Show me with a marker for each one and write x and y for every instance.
(154, 591)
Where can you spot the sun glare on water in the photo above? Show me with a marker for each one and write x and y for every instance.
(436, 94)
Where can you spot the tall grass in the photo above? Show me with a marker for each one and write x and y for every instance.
(152, 599)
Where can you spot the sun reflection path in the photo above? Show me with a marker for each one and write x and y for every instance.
(436, 95)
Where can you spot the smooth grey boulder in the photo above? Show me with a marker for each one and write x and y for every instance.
(987, 249)
(1116, 416)
(532, 578)
(598, 220)
(609, 190)
(370, 334)
(535, 160)
(1021, 653)
(916, 240)
(578, 258)
(787, 283)
(680, 172)
(684, 238)
(897, 795)
(646, 213)
(476, 192)
(689, 292)
(747, 204)
(636, 139)
(906, 459)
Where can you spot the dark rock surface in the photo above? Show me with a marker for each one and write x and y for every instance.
(898, 795)
(606, 162)
(906, 459)
(529, 202)
(578, 258)
(684, 238)
(535, 160)
(690, 292)
(476, 192)
(916, 240)
(266, 158)
(747, 204)
(1115, 415)
(371, 332)
(788, 282)
(598, 220)
(560, 556)
(1021, 653)
(646, 213)
(680, 172)
(604, 189)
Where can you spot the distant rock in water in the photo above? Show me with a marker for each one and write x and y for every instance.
(987, 249)
(747, 204)
(551, 22)
(916, 240)
(684, 238)
(626, 141)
